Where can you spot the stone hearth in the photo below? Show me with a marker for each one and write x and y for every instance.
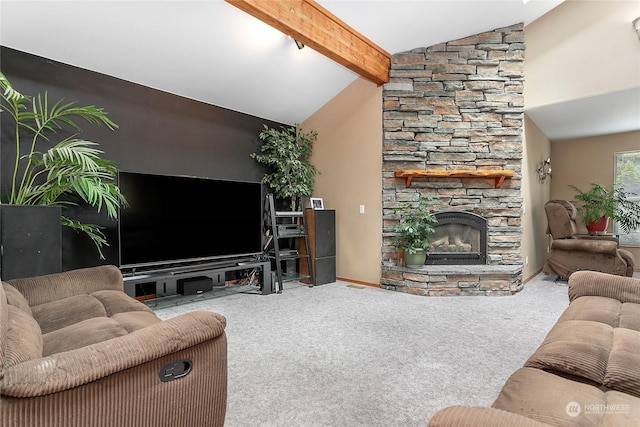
(454, 280)
(457, 106)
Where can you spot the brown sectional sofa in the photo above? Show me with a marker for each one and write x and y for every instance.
(586, 372)
(75, 350)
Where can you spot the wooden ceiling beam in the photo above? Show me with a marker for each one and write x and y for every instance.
(314, 26)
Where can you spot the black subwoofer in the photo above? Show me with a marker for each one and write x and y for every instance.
(321, 226)
(194, 285)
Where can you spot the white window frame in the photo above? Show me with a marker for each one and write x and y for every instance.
(633, 238)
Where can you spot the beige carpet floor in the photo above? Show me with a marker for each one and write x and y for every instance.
(348, 355)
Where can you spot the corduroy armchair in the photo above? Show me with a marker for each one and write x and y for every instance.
(75, 350)
(570, 252)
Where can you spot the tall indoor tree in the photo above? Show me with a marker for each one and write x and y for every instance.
(287, 152)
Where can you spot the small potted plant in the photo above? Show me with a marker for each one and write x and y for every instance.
(414, 227)
(287, 153)
(599, 204)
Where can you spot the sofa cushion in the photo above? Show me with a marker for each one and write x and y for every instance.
(136, 320)
(81, 334)
(597, 309)
(575, 347)
(475, 416)
(604, 310)
(59, 314)
(623, 370)
(551, 399)
(58, 286)
(62, 313)
(23, 340)
(630, 316)
(119, 302)
(81, 320)
(15, 298)
(592, 351)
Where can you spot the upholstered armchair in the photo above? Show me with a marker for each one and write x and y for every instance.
(75, 350)
(570, 252)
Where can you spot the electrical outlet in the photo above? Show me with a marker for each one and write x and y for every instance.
(526, 260)
(361, 209)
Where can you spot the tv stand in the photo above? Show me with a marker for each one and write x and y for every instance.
(165, 286)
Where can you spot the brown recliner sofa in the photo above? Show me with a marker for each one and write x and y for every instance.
(569, 252)
(586, 372)
(75, 350)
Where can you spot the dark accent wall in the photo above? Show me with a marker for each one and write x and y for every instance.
(158, 133)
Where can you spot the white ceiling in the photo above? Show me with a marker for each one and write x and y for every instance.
(592, 116)
(210, 51)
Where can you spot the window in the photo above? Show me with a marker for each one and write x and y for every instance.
(627, 177)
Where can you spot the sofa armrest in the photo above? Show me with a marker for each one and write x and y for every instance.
(52, 287)
(465, 416)
(594, 283)
(70, 369)
(586, 245)
(627, 256)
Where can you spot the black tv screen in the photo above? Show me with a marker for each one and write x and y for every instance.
(175, 219)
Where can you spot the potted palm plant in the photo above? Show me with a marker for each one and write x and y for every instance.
(51, 168)
(599, 204)
(287, 152)
(414, 227)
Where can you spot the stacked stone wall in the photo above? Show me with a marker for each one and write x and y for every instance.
(457, 106)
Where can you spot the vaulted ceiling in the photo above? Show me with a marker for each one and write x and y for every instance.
(212, 51)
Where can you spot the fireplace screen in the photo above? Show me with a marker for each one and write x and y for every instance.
(459, 238)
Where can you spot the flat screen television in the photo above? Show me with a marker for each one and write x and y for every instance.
(181, 219)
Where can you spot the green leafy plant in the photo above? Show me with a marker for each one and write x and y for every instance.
(613, 202)
(415, 224)
(287, 152)
(70, 170)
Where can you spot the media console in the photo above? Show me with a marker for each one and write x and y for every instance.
(180, 284)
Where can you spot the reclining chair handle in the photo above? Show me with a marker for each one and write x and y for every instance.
(174, 370)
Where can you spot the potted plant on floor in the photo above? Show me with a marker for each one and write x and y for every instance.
(414, 227)
(52, 166)
(599, 204)
(287, 153)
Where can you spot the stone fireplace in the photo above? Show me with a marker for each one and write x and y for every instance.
(460, 238)
(453, 128)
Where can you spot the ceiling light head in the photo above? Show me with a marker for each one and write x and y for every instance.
(636, 26)
(299, 44)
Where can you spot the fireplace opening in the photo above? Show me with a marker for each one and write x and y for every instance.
(459, 238)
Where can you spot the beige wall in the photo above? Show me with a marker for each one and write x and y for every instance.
(583, 161)
(581, 49)
(534, 194)
(348, 154)
(578, 49)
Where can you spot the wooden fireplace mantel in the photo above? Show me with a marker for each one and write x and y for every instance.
(498, 175)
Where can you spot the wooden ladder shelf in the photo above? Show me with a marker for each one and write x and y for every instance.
(498, 175)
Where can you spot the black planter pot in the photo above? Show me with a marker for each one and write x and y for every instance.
(31, 241)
